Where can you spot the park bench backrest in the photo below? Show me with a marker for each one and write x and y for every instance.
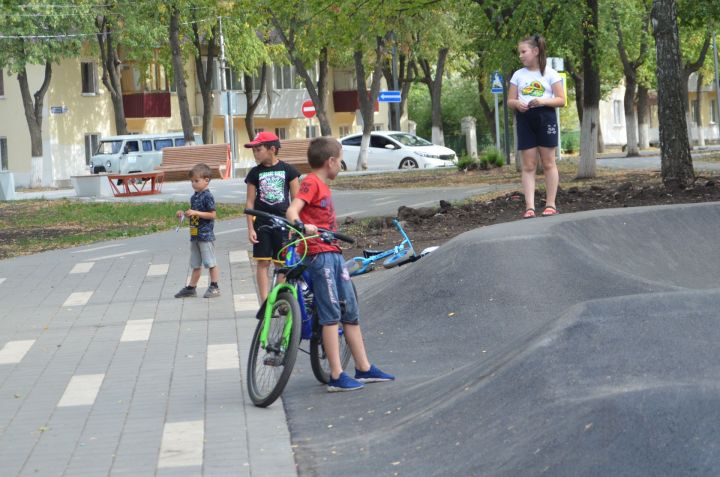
(177, 161)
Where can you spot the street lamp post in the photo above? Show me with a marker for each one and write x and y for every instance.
(225, 97)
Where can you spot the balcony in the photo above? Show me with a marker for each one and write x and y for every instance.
(348, 101)
(147, 105)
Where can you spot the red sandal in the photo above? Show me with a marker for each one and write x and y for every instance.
(550, 210)
(529, 214)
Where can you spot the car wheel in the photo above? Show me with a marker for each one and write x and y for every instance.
(343, 166)
(408, 163)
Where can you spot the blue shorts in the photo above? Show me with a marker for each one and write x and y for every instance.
(537, 127)
(331, 285)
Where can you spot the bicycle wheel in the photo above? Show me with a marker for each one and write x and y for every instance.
(318, 358)
(398, 259)
(269, 368)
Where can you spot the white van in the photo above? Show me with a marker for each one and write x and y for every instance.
(134, 152)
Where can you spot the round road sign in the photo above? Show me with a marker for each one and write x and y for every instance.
(308, 109)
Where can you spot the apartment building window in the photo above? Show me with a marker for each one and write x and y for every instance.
(88, 72)
(617, 112)
(713, 112)
(378, 127)
(344, 131)
(91, 144)
(284, 77)
(311, 131)
(259, 130)
(3, 154)
(156, 78)
(2, 83)
(281, 133)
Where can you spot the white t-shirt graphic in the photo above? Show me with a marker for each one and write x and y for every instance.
(532, 85)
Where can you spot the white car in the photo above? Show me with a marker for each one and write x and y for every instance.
(396, 150)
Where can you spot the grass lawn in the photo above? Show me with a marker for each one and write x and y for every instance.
(31, 226)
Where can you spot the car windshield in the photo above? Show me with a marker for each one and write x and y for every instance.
(410, 140)
(109, 147)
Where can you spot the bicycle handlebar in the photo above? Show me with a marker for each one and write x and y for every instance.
(277, 218)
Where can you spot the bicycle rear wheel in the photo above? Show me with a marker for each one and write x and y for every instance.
(398, 259)
(318, 358)
(269, 368)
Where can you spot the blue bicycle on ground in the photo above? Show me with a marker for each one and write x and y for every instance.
(398, 255)
(287, 317)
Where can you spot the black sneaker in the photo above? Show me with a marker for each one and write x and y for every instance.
(186, 292)
(212, 292)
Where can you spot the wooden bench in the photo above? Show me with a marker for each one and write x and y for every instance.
(294, 151)
(177, 161)
(136, 183)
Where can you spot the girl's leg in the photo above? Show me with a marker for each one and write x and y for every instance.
(529, 165)
(263, 278)
(552, 177)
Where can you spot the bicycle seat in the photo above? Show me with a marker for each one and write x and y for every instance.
(371, 253)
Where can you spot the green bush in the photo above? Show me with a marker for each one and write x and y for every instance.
(493, 157)
(466, 162)
(570, 141)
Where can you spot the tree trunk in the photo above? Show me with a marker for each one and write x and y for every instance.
(677, 169)
(33, 107)
(630, 118)
(367, 101)
(643, 114)
(205, 76)
(253, 103)
(406, 78)
(579, 87)
(591, 97)
(111, 72)
(435, 89)
(179, 76)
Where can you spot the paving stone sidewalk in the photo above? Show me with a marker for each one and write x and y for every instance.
(104, 373)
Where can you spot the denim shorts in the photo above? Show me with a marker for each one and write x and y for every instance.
(202, 253)
(537, 127)
(332, 285)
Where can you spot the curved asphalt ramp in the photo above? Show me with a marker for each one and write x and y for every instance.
(580, 345)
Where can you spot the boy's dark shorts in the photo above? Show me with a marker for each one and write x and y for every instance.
(270, 242)
(537, 127)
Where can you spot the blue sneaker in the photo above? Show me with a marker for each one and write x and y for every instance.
(373, 375)
(343, 383)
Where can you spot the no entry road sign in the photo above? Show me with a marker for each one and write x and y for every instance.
(308, 109)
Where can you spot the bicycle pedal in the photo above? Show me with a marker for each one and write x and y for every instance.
(273, 360)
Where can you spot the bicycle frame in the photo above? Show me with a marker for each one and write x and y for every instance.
(367, 262)
(291, 260)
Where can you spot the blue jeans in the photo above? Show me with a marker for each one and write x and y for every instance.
(332, 285)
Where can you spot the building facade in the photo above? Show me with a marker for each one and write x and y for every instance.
(78, 111)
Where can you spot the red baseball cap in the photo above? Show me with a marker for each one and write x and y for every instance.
(263, 138)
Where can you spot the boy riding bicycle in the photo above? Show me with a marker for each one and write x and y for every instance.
(313, 208)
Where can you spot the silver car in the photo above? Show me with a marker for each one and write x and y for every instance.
(396, 150)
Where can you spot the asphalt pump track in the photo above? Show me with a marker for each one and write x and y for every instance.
(582, 344)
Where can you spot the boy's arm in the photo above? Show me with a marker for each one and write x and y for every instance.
(211, 215)
(293, 214)
(294, 187)
(249, 204)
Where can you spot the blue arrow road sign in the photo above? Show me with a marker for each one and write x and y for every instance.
(497, 86)
(389, 97)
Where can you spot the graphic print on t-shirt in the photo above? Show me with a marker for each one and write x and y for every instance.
(534, 89)
(271, 187)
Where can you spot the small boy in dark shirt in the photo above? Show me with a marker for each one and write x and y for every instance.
(201, 216)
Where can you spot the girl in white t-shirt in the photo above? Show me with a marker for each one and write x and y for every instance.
(535, 91)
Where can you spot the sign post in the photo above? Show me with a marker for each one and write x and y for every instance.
(497, 90)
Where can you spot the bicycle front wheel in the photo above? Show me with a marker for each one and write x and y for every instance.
(269, 368)
(398, 259)
(318, 357)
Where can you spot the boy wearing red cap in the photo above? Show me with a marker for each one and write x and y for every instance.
(270, 186)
